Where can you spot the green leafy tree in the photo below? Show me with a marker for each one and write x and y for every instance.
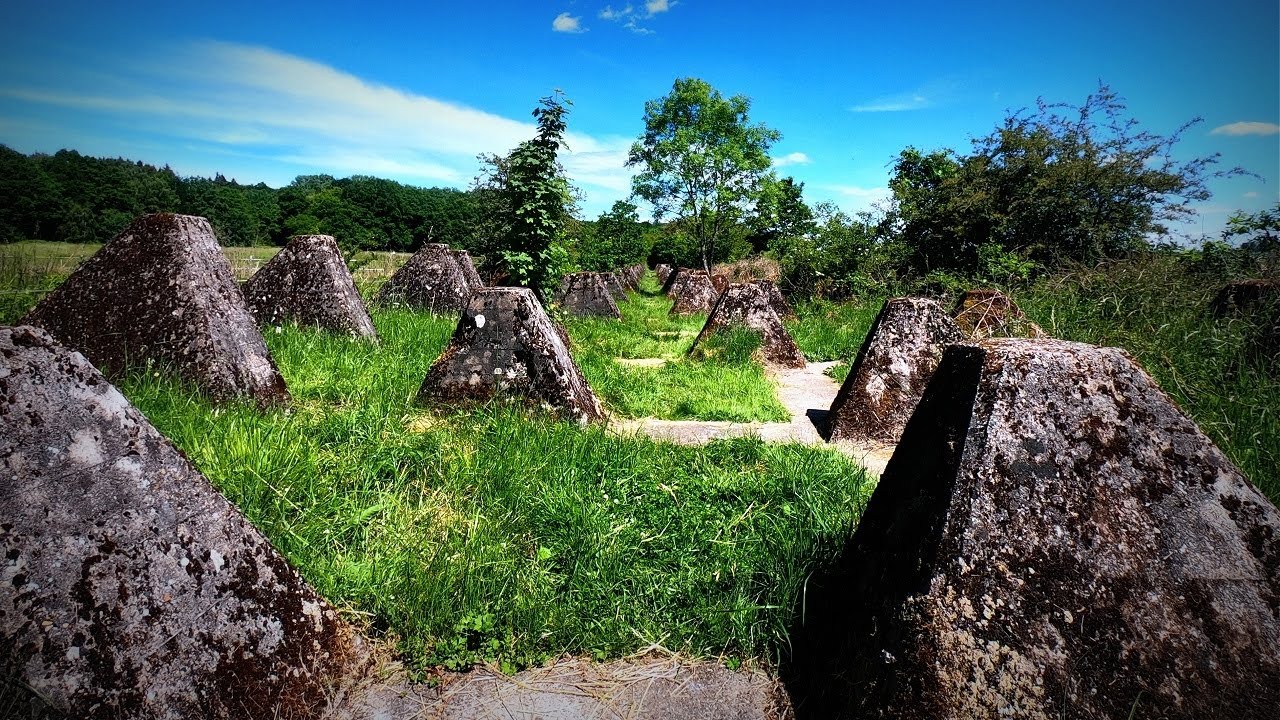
(701, 160)
(1059, 184)
(781, 212)
(616, 239)
(528, 204)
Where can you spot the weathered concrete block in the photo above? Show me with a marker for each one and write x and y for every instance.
(506, 344)
(308, 283)
(1244, 296)
(990, 313)
(747, 306)
(130, 588)
(615, 285)
(468, 266)
(776, 301)
(720, 282)
(1053, 536)
(893, 366)
(163, 291)
(432, 280)
(584, 294)
(692, 292)
(663, 272)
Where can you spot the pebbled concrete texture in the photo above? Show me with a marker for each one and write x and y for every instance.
(435, 279)
(162, 291)
(586, 293)
(505, 344)
(130, 588)
(892, 369)
(308, 283)
(1052, 535)
(691, 292)
(750, 305)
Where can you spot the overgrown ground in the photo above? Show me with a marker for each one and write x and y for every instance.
(493, 535)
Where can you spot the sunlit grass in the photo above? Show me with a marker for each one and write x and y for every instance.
(493, 534)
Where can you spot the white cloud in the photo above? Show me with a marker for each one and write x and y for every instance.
(894, 103)
(294, 114)
(1246, 128)
(1251, 194)
(628, 16)
(856, 198)
(795, 158)
(566, 23)
(608, 13)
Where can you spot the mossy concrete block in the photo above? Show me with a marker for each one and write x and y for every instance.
(892, 369)
(130, 588)
(506, 345)
(586, 294)
(162, 291)
(308, 283)
(1053, 535)
(692, 292)
(990, 313)
(432, 279)
(748, 306)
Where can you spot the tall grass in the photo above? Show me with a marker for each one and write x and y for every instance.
(490, 534)
(729, 386)
(1153, 306)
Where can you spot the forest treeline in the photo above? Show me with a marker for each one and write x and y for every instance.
(76, 198)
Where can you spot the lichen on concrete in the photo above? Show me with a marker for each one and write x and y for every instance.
(506, 345)
(691, 292)
(130, 588)
(308, 283)
(891, 371)
(748, 306)
(434, 279)
(586, 294)
(1053, 535)
(163, 292)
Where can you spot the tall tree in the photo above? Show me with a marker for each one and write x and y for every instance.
(530, 202)
(701, 160)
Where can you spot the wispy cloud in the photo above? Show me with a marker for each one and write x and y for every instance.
(1246, 128)
(608, 13)
(253, 102)
(1251, 194)
(895, 103)
(567, 23)
(653, 7)
(795, 158)
(856, 198)
(630, 17)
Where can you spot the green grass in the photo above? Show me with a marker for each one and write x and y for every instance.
(833, 331)
(494, 535)
(1153, 308)
(730, 386)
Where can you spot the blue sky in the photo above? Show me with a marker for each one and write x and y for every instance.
(265, 91)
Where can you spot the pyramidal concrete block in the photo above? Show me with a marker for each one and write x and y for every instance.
(586, 294)
(130, 587)
(747, 305)
(308, 283)
(1053, 533)
(432, 279)
(162, 291)
(892, 369)
(506, 345)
